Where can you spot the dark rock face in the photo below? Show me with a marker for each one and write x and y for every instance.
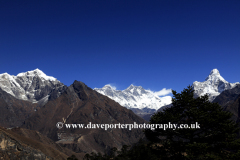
(228, 95)
(79, 104)
(13, 111)
(230, 101)
(14, 146)
(56, 91)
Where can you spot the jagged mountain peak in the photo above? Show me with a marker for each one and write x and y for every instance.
(36, 72)
(135, 97)
(80, 86)
(213, 85)
(132, 87)
(215, 71)
(34, 85)
(135, 90)
(215, 76)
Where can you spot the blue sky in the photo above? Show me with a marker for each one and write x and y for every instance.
(155, 44)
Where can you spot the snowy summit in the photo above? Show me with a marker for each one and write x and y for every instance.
(31, 85)
(213, 85)
(136, 97)
(37, 72)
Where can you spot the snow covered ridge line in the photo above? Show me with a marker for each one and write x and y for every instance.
(37, 72)
(32, 73)
(32, 85)
(137, 97)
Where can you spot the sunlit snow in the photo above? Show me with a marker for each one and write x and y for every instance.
(11, 83)
(137, 97)
(213, 85)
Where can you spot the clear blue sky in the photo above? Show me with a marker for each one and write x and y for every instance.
(154, 44)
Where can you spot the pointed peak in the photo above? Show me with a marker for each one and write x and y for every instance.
(75, 81)
(131, 86)
(37, 71)
(134, 87)
(214, 72)
(79, 83)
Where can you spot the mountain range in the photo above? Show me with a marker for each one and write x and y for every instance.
(35, 102)
(141, 101)
(36, 87)
(145, 102)
(79, 104)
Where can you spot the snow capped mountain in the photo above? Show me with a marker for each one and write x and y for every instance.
(213, 85)
(34, 86)
(37, 72)
(136, 97)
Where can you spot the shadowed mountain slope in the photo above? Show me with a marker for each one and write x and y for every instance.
(13, 111)
(230, 101)
(80, 104)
